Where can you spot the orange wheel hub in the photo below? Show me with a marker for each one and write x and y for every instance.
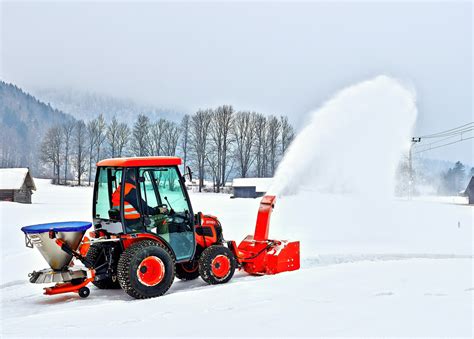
(151, 271)
(220, 266)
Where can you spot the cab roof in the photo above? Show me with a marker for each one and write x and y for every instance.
(140, 162)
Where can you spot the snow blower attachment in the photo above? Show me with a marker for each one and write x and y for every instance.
(258, 255)
(58, 242)
(146, 234)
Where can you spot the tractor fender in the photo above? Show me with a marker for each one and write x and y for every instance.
(210, 231)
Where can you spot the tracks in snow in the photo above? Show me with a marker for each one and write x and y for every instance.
(335, 259)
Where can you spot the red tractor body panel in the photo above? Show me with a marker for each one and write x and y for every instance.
(208, 233)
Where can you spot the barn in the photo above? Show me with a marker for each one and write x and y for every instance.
(250, 187)
(469, 192)
(16, 184)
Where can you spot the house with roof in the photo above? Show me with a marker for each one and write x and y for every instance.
(250, 187)
(16, 184)
(469, 191)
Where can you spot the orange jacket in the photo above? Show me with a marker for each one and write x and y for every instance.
(129, 211)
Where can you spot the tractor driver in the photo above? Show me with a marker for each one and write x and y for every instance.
(131, 205)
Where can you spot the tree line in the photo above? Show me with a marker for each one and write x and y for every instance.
(218, 143)
(455, 179)
(421, 180)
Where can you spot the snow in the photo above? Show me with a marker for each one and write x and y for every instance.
(261, 184)
(353, 142)
(12, 178)
(370, 267)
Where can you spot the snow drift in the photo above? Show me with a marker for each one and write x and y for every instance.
(353, 143)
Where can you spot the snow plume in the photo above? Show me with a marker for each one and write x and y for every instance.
(353, 143)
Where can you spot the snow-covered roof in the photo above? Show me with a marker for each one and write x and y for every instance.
(13, 178)
(261, 184)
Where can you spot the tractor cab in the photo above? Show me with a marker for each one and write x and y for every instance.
(139, 196)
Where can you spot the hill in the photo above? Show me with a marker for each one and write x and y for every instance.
(23, 121)
(86, 105)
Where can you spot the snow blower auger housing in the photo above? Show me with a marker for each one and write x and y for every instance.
(146, 234)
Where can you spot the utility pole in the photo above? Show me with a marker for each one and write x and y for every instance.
(410, 166)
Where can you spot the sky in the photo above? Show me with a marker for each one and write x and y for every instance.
(273, 57)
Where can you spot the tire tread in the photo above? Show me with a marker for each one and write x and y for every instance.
(124, 266)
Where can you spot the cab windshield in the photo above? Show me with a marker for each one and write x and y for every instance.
(162, 187)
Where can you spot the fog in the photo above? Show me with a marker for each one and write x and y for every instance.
(277, 58)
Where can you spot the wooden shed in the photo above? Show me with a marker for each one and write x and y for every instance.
(16, 184)
(469, 192)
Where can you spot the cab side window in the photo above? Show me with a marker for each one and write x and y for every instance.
(131, 203)
(147, 189)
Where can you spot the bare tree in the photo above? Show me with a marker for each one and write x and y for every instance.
(260, 131)
(101, 134)
(123, 137)
(112, 136)
(273, 132)
(185, 138)
(287, 134)
(47, 155)
(92, 142)
(141, 136)
(213, 165)
(199, 127)
(80, 155)
(220, 133)
(68, 129)
(157, 136)
(214, 153)
(243, 134)
(170, 138)
(51, 150)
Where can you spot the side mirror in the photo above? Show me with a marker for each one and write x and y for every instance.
(188, 173)
(198, 219)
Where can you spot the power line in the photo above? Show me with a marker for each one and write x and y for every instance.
(438, 141)
(449, 143)
(457, 130)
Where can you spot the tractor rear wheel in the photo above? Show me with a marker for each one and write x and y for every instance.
(188, 270)
(216, 265)
(146, 269)
(96, 255)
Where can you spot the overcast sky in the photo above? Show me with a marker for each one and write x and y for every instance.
(277, 58)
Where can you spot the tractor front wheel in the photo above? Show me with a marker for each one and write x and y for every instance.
(216, 265)
(146, 269)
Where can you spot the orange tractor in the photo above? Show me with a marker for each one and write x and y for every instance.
(146, 234)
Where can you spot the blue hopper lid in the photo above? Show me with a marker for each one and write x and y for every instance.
(66, 226)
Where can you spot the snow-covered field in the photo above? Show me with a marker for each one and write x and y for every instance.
(370, 267)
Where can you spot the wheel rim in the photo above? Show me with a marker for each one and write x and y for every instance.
(151, 271)
(220, 266)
